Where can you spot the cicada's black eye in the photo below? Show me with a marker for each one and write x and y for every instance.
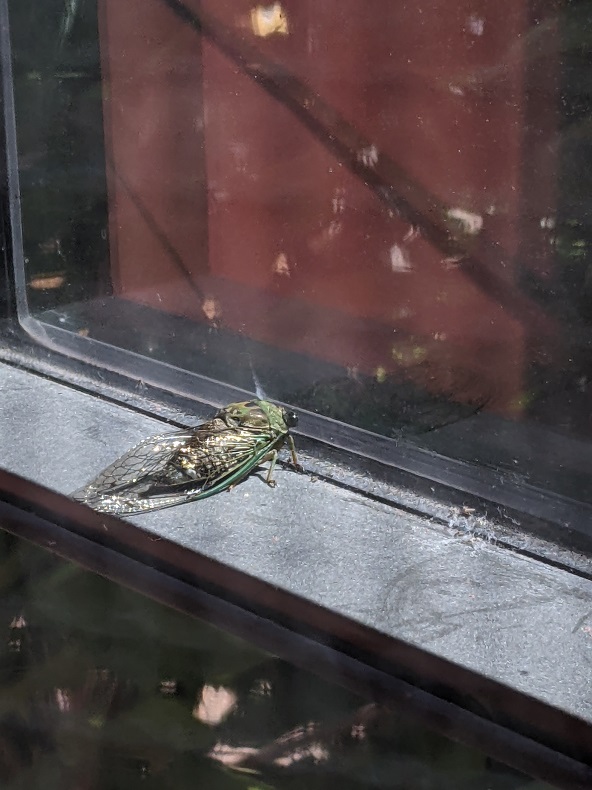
(290, 418)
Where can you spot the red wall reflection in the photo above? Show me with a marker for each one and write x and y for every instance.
(225, 207)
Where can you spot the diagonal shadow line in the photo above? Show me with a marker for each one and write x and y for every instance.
(155, 228)
(390, 183)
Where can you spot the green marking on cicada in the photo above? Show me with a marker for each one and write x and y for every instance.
(187, 465)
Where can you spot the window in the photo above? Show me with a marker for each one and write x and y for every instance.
(206, 174)
(377, 214)
(391, 233)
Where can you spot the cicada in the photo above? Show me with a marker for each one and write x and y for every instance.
(183, 466)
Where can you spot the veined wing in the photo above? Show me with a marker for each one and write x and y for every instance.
(170, 469)
(145, 459)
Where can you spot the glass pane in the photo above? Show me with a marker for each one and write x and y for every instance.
(102, 688)
(376, 213)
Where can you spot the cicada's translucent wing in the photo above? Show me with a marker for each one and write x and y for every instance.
(171, 469)
(147, 458)
(118, 488)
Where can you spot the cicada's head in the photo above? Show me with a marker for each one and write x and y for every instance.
(290, 418)
(258, 414)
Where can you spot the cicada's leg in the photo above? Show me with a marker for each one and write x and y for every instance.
(272, 457)
(292, 447)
